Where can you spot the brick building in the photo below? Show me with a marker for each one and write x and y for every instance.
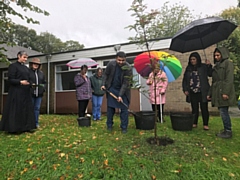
(60, 95)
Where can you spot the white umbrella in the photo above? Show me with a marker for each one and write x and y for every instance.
(78, 63)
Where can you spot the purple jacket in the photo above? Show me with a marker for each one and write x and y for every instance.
(83, 87)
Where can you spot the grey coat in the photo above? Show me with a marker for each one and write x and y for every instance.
(223, 81)
(126, 75)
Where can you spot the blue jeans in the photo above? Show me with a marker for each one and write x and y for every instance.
(225, 118)
(96, 106)
(36, 104)
(123, 117)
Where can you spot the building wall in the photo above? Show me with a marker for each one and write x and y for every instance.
(60, 102)
(176, 100)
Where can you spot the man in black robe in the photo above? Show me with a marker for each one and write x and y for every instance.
(18, 113)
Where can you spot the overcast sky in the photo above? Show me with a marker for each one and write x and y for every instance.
(102, 22)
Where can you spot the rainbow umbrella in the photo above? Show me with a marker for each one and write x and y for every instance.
(168, 63)
(143, 61)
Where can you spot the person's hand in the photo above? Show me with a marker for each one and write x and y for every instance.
(207, 62)
(208, 98)
(24, 82)
(103, 88)
(186, 93)
(150, 82)
(119, 99)
(225, 97)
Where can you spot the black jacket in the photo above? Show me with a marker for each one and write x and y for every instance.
(37, 91)
(125, 76)
(204, 71)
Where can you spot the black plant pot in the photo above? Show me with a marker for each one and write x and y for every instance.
(84, 121)
(145, 120)
(182, 121)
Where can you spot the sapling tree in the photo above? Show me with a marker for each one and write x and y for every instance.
(143, 26)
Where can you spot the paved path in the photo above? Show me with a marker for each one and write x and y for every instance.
(234, 112)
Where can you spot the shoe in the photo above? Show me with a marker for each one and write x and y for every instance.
(206, 128)
(194, 125)
(124, 131)
(109, 128)
(225, 134)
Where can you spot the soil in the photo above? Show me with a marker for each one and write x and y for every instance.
(160, 141)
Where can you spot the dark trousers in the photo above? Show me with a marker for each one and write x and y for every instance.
(123, 117)
(196, 99)
(225, 118)
(158, 110)
(82, 106)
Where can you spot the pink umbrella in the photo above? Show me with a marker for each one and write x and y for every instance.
(82, 61)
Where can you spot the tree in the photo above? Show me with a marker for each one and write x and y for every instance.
(233, 43)
(166, 22)
(6, 23)
(45, 42)
(72, 46)
(171, 19)
(144, 25)
(153, 25)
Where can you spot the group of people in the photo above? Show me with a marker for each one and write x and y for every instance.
(114, 80)
(221, 93)
(89, 88)
(27, 85)
(26, 88)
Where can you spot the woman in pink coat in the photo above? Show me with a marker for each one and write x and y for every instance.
(161, 86)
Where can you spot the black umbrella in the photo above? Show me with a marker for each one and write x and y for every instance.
(201, 34)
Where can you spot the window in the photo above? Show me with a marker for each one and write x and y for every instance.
(5, 82)
(65, 77)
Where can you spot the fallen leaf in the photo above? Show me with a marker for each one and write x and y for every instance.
(154, 177)
(106, 162)
(116, 139)
(31, 162)
(62, 154)
(224, 159)
(235, 154)
(82, 160)
(231, 174)
(80, 176)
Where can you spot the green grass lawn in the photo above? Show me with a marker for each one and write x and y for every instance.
(60, 149)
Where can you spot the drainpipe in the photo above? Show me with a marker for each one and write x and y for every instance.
(48, 81)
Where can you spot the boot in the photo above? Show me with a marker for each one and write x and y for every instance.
(225, 134)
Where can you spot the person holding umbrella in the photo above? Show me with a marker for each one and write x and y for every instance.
(195, 86)
(222, 92)
(116, 80)
(161, 82)
(83, 90)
